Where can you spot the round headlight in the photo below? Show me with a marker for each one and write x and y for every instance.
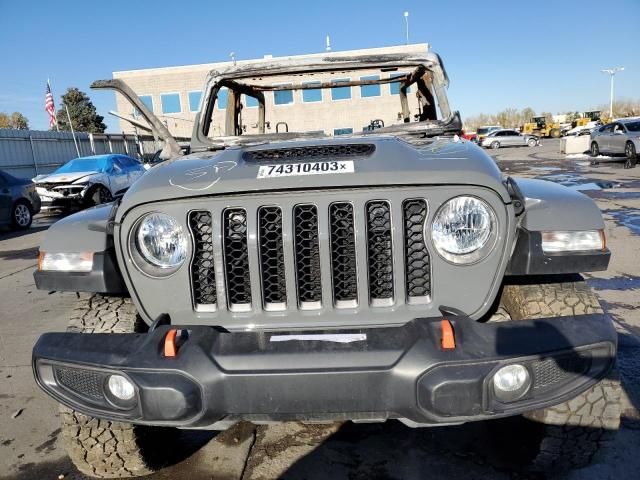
(161, 241)
(463, 229)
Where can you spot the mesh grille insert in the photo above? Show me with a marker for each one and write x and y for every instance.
(236, 258)
(84, 382)
(418, 262)
(307, 252)
(379, 252)
(311, 151)
(274, 289)
(552, 371)
(343, 254)
(202, 269)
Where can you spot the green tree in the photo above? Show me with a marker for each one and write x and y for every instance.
(84, 116)
(15, 120)
(19, 121)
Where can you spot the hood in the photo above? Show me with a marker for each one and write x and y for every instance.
(390, 160)
(63, 177)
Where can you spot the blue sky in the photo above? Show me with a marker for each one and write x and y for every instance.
(498, 54)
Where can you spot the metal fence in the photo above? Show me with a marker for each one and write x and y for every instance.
(27, 153)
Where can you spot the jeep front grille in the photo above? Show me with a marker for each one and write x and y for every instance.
(343, 255)
(311, 256)
(307, 256)
(236, 259)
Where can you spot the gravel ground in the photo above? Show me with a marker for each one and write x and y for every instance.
(30, 447)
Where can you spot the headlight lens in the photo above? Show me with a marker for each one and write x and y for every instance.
(161, 241)
(464, 229)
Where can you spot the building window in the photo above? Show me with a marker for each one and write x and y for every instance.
(312, 95)
(251, 102)
(222, 98)
(194, 101)
(394, 88)
(342, 131)
(370, 90)
(283, 97)
(340, 93)
(170, 102)
(147, 100)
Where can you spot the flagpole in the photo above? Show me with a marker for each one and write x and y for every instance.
(54, 104)
(72, 132)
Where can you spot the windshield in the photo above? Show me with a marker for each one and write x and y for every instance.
(87, 164)
(333, 103)
(484, 131)
(633, 126)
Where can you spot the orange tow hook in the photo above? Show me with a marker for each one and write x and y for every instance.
(448, 341)
(170, 345)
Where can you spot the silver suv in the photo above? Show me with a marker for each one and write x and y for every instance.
(617, 138)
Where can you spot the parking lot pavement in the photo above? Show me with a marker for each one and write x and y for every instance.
(30, 443)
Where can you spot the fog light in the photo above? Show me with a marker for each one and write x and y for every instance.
(511, 382)
(121, 388)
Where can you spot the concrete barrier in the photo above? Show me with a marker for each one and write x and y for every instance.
(572, 145)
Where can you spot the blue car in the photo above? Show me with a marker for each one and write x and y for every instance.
(19, 201)
(88, 181)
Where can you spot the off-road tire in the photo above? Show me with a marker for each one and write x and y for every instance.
(101, 448)
(572, 432)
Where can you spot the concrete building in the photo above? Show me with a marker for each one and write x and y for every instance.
(174, 93)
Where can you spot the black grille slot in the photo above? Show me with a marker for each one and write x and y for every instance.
(203, 275)
(307, 252)
(311, 151)
(553, 371)
(236, 258)
(379, 253)
(274, 289)
(83, 382)
(418, 262)
(343, 254)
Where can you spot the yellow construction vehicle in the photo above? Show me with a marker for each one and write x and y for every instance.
(538, 126)
(586, 117)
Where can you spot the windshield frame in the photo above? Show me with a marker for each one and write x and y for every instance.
(423, 70)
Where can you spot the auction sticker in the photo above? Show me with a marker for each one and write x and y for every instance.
(307, 168)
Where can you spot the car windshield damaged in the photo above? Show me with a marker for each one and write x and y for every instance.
(403, 93)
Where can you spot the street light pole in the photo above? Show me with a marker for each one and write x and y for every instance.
(612, 72)
(406, 21)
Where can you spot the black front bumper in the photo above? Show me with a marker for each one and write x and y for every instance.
(399, 372)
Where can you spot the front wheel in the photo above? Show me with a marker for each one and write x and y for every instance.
(570, 434)
(532, 142)
(630, 153)
(98, 195)
(21, 216)
(101, 448)
(495, 145)
(595, 150)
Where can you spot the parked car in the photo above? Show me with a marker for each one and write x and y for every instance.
(390, 274)
(19, 201)
(621, 137)
(509, 138)
(88, 181)
(484, 131)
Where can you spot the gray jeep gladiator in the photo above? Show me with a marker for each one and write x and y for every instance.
(299, 276)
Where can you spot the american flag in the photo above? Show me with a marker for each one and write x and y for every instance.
(50, 107)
